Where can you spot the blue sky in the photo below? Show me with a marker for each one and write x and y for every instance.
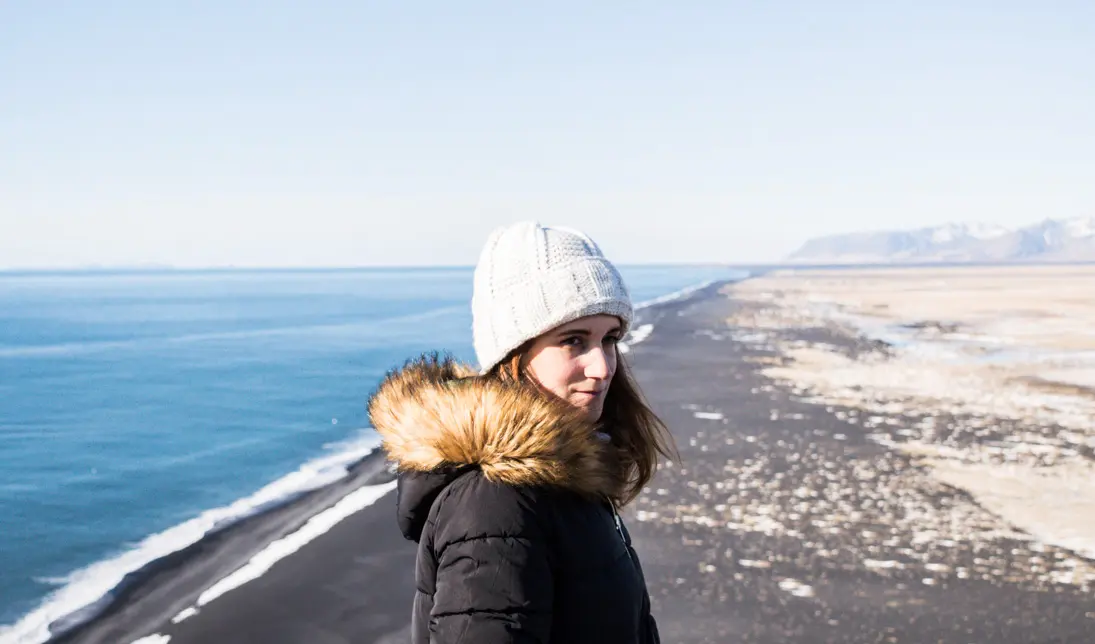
(363, 133)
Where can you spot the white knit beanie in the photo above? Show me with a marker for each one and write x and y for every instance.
(531, 279)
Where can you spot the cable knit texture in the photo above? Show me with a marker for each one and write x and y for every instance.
(531, 279)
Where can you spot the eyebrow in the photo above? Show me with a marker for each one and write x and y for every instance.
(585, 332)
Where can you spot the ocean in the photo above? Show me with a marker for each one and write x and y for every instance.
(138, 410)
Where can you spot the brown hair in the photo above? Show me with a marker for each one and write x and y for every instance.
(636, 431)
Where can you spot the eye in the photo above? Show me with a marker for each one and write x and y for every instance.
(612, 339)
(572, 341)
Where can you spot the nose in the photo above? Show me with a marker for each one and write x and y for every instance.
(597, 367)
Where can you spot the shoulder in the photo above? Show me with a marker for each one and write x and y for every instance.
(475, 507)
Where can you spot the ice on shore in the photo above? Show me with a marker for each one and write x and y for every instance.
(186, 613)
(708, 415)
(796, 588)
(994, 372)
(153, 639)
(1055, 505)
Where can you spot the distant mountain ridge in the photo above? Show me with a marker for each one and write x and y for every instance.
(1052, 240)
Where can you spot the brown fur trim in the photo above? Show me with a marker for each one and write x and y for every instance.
(434, 412)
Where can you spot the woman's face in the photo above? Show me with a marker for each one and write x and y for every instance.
(576, 361)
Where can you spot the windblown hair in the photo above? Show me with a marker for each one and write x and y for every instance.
(639, 436)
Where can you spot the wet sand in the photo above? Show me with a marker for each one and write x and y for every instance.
(785, 521)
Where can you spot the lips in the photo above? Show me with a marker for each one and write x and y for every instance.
(590, 394)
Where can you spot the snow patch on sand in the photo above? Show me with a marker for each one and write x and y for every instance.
(1055, 505)
(1013, 347)
(754, 563)
(876, 564)
(153, 639)
(189, 612)
(796, 588)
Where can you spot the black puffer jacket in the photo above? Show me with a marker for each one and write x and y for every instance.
(507, 497)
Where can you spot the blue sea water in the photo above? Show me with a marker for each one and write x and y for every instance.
(134, 402)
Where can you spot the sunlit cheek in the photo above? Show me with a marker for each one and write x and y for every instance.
(550, 370)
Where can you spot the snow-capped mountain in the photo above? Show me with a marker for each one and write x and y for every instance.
(1052, 240)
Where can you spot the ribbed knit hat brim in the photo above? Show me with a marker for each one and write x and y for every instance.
(531, 279)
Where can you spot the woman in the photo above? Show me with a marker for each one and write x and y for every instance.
(510, 477)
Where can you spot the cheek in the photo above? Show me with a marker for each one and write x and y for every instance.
(554, 369)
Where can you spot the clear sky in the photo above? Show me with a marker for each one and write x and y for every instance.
(271, 133)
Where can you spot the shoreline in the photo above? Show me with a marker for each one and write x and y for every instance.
(785, 521)
(157, 589)
(169, 587)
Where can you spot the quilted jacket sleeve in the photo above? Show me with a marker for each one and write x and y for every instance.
(494, 569)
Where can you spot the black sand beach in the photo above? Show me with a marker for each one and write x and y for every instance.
(782, 523)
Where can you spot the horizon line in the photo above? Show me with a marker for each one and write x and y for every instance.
(167, 268)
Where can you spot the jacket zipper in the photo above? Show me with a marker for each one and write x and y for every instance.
(644, 627)
(620, 530)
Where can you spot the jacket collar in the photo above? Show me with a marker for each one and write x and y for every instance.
(434, 414)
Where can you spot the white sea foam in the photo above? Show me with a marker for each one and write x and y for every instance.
(89, 585)
(278, 550)
(637, 335)
(675, 295)
(643, 331)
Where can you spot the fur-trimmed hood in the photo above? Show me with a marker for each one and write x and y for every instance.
(440, 420)
(435, 414)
